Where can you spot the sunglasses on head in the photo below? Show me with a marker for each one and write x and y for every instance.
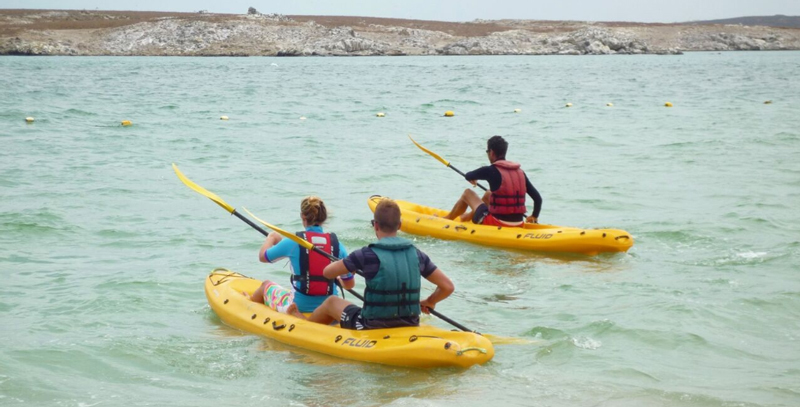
(372, 222)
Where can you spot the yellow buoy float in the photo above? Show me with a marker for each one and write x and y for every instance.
(668, 104)
(302, 117)
(768, 102)
(449, 113)
(29, 120)
(380, 114)
(517, 110)
(126, 123)
(568, 105)
(610, 104)
(223, 117)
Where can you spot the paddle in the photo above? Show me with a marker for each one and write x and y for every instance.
(302, 242)
(212, 196)
(310, 246)
(443, 161)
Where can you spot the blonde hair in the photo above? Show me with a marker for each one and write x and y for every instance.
(387, 215)
(313, 210)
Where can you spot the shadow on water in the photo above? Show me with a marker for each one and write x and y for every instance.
(352, 383)
(519, 263)
(317, 379)
(487, 254)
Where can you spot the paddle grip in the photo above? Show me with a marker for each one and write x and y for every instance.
(465, 176)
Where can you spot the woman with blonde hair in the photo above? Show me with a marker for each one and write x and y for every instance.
(309, 288)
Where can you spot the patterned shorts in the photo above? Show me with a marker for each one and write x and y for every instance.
(277, 297)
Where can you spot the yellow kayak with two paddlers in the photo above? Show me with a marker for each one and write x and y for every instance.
(424, 346)
(427, 221)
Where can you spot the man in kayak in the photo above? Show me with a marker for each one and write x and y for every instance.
(309, 288)
(392, 268)
(505, 204)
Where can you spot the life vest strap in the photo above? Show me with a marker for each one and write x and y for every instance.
(504, 204)
(391, 292)
(304, 278)
(390, 304)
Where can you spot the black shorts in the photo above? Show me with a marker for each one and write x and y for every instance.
(351, 318)
(480, 213)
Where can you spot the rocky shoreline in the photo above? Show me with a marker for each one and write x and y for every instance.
(32, 32)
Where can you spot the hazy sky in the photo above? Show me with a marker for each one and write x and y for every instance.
(455, 10)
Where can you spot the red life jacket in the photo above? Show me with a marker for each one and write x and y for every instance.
(310, 279)
(509, 199)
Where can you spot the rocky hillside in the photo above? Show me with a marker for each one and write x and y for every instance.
(37, 32)
(766, 21)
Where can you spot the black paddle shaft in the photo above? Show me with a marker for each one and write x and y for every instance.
(434, 312)
(465, 176)
(249, 222)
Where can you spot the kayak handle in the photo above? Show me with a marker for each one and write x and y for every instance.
(462, 351)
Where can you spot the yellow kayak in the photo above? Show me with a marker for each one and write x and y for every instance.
(424, 346)
(426, 221)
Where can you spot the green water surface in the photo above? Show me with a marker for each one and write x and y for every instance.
(103, 252)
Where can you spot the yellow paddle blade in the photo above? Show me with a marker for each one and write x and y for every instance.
(202, 191)
(504, 340)
(292, 236)
(434, 155)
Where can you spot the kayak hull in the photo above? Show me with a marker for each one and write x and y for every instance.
(421, 347)
(427, 221)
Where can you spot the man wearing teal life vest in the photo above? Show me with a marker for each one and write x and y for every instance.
(393, 269)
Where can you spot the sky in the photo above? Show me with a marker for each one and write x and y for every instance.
(649, 11)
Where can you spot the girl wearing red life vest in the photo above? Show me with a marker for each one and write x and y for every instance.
(505, 204)
(309, 288)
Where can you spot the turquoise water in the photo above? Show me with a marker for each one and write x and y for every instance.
(104, 252)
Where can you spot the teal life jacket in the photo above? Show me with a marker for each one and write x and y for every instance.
(394, 291)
